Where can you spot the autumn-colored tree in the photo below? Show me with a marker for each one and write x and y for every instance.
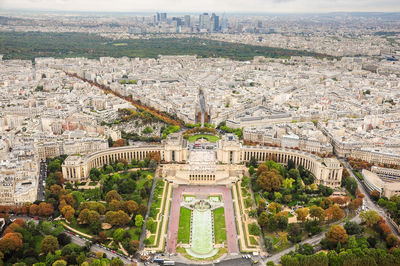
(12, 228)
(274, 207)
(334, 213)
(317, 213)
(355, 204)
(120, 143)
(115, 205)
(34, 209)
(130, 206)
(68, 212)
(326, 203)
(16, 238)
(113, 195)
(262, 168)
(7, 245)
(270, 181)
(154, 156)
(87, 216)
(302, 214)
(117, 218)
(384, 228)
(56, 190)
(94, 206)
(261, 205)
(45, 209)
(375, 194)
(102, 237)
(59, 178)
(69, 199)
(49, 244)
(20, 222)
(370, 217)
(133, 246)
(392, 241)
(337, 234)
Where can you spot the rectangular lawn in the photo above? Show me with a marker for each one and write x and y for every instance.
(184, 226)
(219, 226)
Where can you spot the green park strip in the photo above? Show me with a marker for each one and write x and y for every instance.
(210, 138)
(219, 226)
(28, 45)
(184, 226)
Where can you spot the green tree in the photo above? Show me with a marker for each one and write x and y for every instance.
(118, 234)
(49, 244)
(138, 220)
(370, 217)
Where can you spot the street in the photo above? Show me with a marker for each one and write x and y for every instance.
(41, 179)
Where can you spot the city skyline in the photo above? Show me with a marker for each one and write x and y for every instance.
(236, 6)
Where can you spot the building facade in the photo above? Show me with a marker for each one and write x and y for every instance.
(205, 163)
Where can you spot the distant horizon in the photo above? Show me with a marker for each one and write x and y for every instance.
(153, 12)
(257, 7)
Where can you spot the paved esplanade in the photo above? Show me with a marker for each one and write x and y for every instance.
(202, 190)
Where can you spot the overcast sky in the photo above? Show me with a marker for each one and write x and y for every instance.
(237, 6)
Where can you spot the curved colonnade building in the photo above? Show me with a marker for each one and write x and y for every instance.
(203, 162)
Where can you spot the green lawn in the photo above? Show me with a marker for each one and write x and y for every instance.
(184, 226)
(210, 138)
(253, 241)
(219, 226)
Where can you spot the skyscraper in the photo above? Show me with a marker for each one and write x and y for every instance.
(214, 22)
(187, 20)
(204, 21)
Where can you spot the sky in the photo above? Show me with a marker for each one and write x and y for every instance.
(229, 6)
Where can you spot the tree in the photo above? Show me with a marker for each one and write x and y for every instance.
(45, 209)
(370, 217)
(16, 238)
(88, 216)
(274, 207)
(317, 213)
(355, 204)
(353, 228)
(60, 263)
(138, 220)
(102, 237)
(302, 214)
(351, 185)
(118, 234)
(68, 212)
(392, 240)
(33, 209)
(119, 143)
(133, 246)
(282, 222)
(375, 195)
(130, 206)
(270, 181)
(113, 195)
(334, 213)
(117, 218)
(306, 249)
(263, 219)
(288, 183)
(117, 262)
(49, 244)
(268, 242)
(251, 170)
(337, 234)
(115, 205)
(261, 205)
